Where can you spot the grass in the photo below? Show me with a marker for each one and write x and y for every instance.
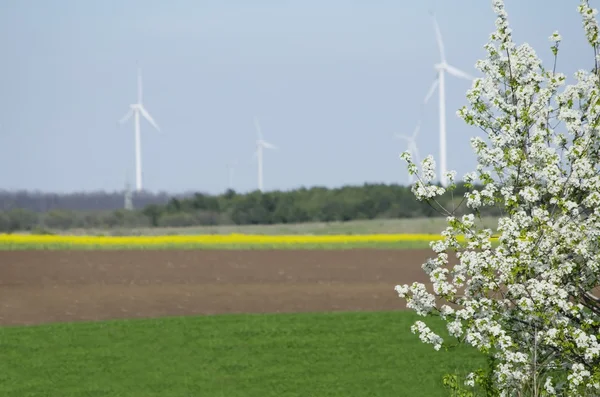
(375, 226)
(339, 354)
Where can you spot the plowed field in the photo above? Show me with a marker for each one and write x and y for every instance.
(55, 286)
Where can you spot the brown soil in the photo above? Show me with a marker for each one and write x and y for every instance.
(54, 286)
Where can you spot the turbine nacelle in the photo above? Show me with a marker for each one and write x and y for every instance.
(139, 108)
(440, 66)
(265, 145)
(444, 66)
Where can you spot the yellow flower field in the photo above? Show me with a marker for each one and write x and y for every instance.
(22, 241)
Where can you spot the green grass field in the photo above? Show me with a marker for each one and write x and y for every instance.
(376, 226)
(339, 354)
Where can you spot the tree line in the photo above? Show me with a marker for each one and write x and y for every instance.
(78, 201)
(316, 204)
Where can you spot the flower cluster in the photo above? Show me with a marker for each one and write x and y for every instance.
(530, 302)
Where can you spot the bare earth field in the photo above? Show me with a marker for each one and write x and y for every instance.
(54, 286)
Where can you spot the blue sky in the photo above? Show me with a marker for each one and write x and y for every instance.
(331, 82)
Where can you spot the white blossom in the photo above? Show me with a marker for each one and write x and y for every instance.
(555, 37)
(548, 387)
(426, 335)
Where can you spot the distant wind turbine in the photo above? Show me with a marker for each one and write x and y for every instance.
(440, 83)
(260, 145)
(412, 148)
(136, 110)
(128, 196)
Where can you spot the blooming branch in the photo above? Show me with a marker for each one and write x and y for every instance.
(529, 302)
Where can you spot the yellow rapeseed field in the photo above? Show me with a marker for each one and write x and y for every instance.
(212, 240)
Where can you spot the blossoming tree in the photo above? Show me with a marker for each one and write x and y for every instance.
(529, 299)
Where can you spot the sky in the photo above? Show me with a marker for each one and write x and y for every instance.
(330, 81)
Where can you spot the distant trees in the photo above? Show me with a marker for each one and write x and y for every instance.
(90, 201)
(28, 211)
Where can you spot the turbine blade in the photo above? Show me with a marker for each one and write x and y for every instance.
(148, 117)
(126, 117)
(458, 73)
(268, 145)
(257, 126)
(403, 137)
(416, 154)
(416, 130)
(438, 37)
(436, 82)
(139, 84)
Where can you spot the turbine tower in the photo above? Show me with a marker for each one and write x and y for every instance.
(136, 110)
(260, 145)
(441, 68)
(128, 197)
(412, 148)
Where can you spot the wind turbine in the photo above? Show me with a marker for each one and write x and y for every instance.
(136, 110)
(412, 147)
(128, 196)
(260, 145)
(442, 67)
